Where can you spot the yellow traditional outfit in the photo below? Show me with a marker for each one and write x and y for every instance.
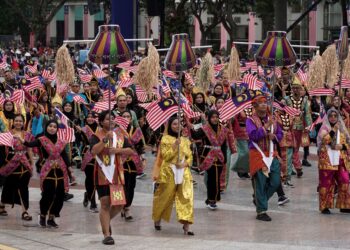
(166, 189)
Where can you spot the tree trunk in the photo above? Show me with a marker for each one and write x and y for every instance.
(344, 12)
(280, 15)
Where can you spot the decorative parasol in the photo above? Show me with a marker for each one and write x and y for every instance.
(109, 48)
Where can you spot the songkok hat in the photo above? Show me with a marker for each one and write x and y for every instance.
(296, 82)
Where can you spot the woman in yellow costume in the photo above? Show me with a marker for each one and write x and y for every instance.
(170, 187)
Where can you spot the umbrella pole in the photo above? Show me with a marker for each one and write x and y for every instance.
(109, 103)
(179, 116)
(340, 80)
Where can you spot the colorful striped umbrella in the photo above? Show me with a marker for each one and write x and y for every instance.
(180, 57)
(275, 51)
(109, 46)
(343, 44)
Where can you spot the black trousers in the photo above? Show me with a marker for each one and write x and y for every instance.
(280, 191)
(213, 183)
(130, 173)
(89, 183)
(15, 190)
(52, 196)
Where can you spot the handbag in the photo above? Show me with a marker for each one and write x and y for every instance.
(117, 195)
(305, 139)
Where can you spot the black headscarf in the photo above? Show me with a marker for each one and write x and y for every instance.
(170, 131)
(222, 88)
(201, 106)
(210, 114)
(94, 125)
(70, 115)
(53, 138)
(9, 114)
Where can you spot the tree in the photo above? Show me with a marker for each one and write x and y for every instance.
(36, 14)
(230, 7)
(198, 7)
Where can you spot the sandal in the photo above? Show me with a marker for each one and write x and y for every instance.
(3, 212)
(26, 216)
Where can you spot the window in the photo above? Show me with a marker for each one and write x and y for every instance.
(296, 33)
(296, 7)
(242, 32)
(98, 23)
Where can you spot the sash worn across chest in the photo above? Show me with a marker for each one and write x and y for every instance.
(54, 159)
(216, 140)
(20, 157)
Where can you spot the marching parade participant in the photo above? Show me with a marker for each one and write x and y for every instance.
(263, 133)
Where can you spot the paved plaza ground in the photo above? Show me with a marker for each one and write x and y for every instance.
(296, 225)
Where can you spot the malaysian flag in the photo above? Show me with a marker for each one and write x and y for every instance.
(141, 94)
(161, 112)
(3, 63)
(101, 106)
(321, 92)
(128, 66)
(79, 99)
(99, 73)
(165, 87)
(250, 80)
(106, 94)
(317, 121)
(35, 83)
(125, 82)
(185, 105)
(189, 78)
(6, 139)
(289, 110)
(46, 74)
(147, 105)
(84, 76)
(302, 75)
(218, 67)
(65, 133)
(18, 96)
(252, 66)
(32, 68)
(169, 74)
(237, 104)
(122, 122)
(345, 84)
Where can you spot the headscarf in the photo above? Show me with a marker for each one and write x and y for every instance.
(202, 106)
(169, 130)
(210, 114)
(94, 125)
(70, 114)
(9, 114)
(52, 138)
(327, 127)
(222, 94)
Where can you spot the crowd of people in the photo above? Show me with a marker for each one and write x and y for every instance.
(109, 145)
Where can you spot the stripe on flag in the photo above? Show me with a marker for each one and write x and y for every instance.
(250, 80)
(18, 96)
(141, 94)
(102, 106)
(189, 78)
(289, 110)
(122, 122)
(99, 73)
(46, 74)
(317, 121)
(188, 111)
(125, 82)
(218, 67)
(79, 99)
(302, 75)
(84, 76)
(169, 74)
(127, 66)
(6, 139)
(66, 134)
(147, 105)
(321, 92)
(229, 109)
(161, 112)
(35, 83)
(106, 95)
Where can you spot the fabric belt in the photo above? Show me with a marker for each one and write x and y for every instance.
(212, 147)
